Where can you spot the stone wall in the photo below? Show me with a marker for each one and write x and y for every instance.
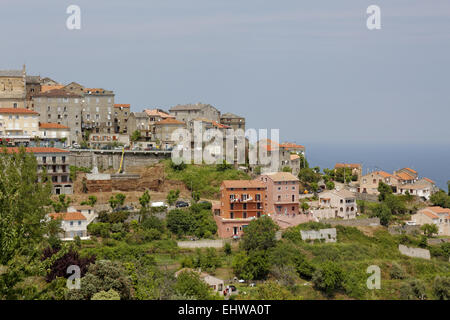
(201, 244)
(111, 158)
(329, 235)
(404, 229)
(353, 222)
(414, 252)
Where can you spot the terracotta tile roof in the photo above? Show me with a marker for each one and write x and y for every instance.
(158, 113)
(437, 209)
(169, 121)
(238, 184)
(404, 176)
(49, 125)
(119, 105)
(382, 173)
(68, 216)
(58, 93)
(429, 180)
(409, 169)
(289, 145)
(281, 176)
(429, 214)
(294, 156)
(269, 145)
(46, 88)
(17, 111)
(347, 165)
(35, 150)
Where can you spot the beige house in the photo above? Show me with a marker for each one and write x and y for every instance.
(355, 167)
(18, 125)
(13, 88)
(73, 224)
(369, 182)
(188, 112)
(434, 215)
(422, 188)
(233, 121)
(121, 115)
(164, 130)
(336, 204)
(54, 132)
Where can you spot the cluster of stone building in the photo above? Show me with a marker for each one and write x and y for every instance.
(402, 181)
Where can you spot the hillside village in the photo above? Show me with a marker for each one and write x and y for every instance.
(109, 190)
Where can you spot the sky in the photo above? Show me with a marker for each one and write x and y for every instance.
(309, 68)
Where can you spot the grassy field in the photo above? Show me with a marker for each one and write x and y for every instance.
(205, 179)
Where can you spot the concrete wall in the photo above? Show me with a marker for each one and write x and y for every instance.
(404, 229)
(414, 252)
(354, 222)
(329, 235)
(202, 244)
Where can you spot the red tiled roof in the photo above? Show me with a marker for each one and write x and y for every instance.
(169, 121)
(49, 125)
(35, 150)
(429, 180)
(289, 145)
(384, 174)
(17, 110)
(121, 105)
(242, 184)
(67, 216)
(158, 113)
(409, 169)
(404, 176)
(46, 88)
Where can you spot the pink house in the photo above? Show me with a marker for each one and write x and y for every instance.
(282, 196)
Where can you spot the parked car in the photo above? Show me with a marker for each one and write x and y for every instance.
(181, 204)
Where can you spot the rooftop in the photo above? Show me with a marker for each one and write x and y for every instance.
(197, 106)
(68, 216)
(242, 184)
(158, 113)
(169, 121)
(59, 93)
(17, 111)
(118, 105)
(281, 176)
(11, 73)
(230, 115)
(49, 125)
(347, 165)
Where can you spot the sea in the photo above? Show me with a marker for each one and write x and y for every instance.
(430, 161)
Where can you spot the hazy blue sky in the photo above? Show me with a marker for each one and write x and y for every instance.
(310, 68)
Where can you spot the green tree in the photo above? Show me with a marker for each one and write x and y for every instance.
(172, 196)
(429, 229)
(92, 200)
(259, 235)
(314, 186)
(62, 204)
(304, 206)
(383, 212)
(448, 187)
(271, 290)
(329, 278)
(330, 185)
(144, 201)
(117, 200)
(106, 295)
(254, 265)
(287, 169)
(384, 190)
(103, 275)
(135, 136)
(190, 285)
(22, 217)
(441, 199)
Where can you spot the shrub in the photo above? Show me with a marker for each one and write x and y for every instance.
(441, 288)
(397, 271)
(413, 290)
(329, 278)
